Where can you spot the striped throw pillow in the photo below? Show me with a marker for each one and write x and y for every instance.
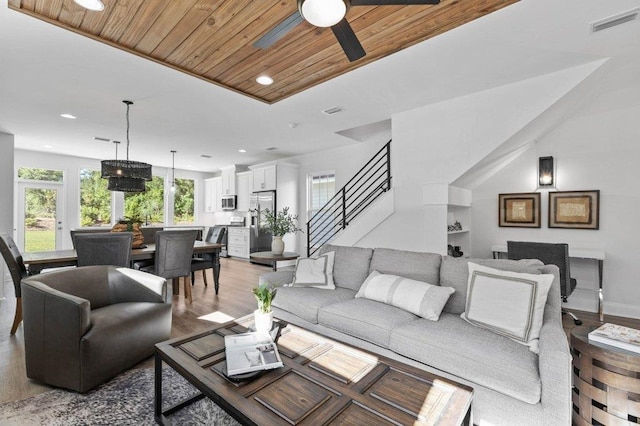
(419, 298)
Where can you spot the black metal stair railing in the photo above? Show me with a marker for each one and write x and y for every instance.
(373, 180)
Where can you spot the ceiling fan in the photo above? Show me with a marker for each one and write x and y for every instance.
(330, 13)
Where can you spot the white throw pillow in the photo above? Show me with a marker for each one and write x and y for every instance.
(315, 272)
(419, 298)
(508, 303)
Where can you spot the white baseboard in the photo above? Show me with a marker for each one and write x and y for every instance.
(587, 300)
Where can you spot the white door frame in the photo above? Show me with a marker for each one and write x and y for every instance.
(60, 217)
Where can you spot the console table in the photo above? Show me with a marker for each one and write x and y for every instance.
(576, 253)
(267, 256)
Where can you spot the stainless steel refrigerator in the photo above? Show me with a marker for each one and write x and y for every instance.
(260, 239)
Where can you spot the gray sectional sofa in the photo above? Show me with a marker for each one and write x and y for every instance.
(512, 385)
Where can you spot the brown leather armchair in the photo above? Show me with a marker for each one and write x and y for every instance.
(85, 325)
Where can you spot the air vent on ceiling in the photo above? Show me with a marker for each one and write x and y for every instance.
(332, 110)
(614, 20)
(205, 156)
(98, 138)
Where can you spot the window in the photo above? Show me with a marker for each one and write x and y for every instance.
(148, 207)
(29, 173)
(183, 202)
(322, 187)
(95, 199)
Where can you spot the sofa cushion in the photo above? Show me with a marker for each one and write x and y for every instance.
(454, 272)
(305, 302)
(366, 319)
(415, 265)
(508, 303)
(477, 355)
(419, 298)
(351, 265)
(315, 272)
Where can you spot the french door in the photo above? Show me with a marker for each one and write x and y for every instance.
(40, 216)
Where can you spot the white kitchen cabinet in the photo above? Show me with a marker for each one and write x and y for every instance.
(228, 180)
(238, 242)
(243, 190)
(213, 194)
(264, 178)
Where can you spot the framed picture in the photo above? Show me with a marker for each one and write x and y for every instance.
(520, 210)
(574, 209)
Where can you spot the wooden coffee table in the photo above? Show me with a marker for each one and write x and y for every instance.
(322, 382)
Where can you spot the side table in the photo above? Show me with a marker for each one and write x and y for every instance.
(606, 382)
(267, 256)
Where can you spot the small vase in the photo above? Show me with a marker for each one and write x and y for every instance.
(263, 321)
(277, 245)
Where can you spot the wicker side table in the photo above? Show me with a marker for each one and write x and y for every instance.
(606, 382)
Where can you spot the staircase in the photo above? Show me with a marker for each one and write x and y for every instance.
(365, 187)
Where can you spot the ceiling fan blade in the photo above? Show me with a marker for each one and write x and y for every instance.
(391, 2)
(279, 31)
(348, 40)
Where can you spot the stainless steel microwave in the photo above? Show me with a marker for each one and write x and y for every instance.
(228, 202)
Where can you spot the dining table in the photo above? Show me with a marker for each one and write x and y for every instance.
(36, 261)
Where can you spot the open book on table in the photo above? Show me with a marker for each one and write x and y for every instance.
(249, 352)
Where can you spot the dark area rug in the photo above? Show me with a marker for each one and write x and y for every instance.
(125, 400)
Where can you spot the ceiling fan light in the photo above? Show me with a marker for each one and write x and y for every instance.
(322, 13)
(95, 5)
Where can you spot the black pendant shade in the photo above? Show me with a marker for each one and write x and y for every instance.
(126, 175)
(126, 184)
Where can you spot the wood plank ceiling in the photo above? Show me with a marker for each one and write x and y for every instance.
(213, 39)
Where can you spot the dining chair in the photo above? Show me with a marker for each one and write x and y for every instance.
(174, 250)
(104, 248)
(13, 259)
(206, 260)
(549, 254)
(149, 233)
(75, 231)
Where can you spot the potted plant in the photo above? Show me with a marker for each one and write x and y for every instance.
(280, 223)
(130, 224)
(263, 316)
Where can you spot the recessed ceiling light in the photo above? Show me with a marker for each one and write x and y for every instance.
(67, 115)
(242, 150)
(47, 146)
(95, 5)
(265, 80)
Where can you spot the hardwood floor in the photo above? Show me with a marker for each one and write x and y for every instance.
(234, 300)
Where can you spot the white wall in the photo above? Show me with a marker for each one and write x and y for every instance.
(594, 137)
(6, 194)
(345, 161)
(597, 148)
(71, 167)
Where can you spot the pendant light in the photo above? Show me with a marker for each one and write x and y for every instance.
(173, 171)
(126, 175)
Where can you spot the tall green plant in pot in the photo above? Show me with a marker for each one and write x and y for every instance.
(279, 224)
(263, 316)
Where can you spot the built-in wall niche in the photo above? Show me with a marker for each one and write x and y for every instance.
(447, 217)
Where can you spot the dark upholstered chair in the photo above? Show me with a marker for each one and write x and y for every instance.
(149, 233)
(75, 231)
(174, 250)
(549, 254)
(13, 259)
(85, 325)
(104, 248)
(204, 262)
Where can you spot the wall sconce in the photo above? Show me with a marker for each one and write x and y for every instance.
(546, 175)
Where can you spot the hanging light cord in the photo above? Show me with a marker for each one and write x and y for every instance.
(128, 103)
